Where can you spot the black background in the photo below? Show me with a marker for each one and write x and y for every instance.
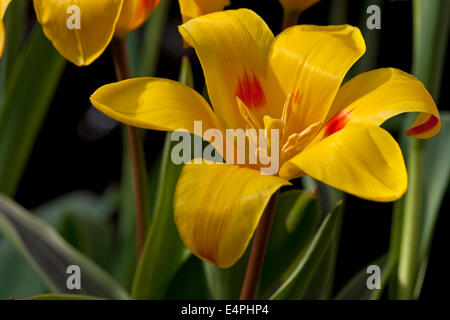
(72, 153)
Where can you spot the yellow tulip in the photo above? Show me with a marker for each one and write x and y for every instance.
(82, 29)
(195, 8)
(134, 13)
(299, 5)
(292, 82)
(3, 6)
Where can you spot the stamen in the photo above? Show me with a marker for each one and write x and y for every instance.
(287, 108)
(248, 115)
(270, 124)
(297, 142)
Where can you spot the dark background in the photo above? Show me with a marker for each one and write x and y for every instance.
(79, 148)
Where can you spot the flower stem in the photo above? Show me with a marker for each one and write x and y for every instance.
(258, 252)
(290, 18)
(135, 148)
(411, 220)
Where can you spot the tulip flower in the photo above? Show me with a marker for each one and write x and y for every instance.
(3, 6)
(81, 30)
(195, 8)
(291, 82)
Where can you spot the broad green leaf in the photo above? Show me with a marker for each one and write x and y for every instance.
(15, 32)
(163, 252)
(62, 297)
(303, 269)
(296, 218)
(28, 93)
(226, 283)
(431, 29)
(50, 255)
(436, 181)
(80, 204)
(151, 39)
(356, 288)
(17, 278)
(321, 285)
(189, 282)
(93, 239)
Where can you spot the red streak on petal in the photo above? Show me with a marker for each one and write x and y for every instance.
(144, 8)
(337, 123)
(297, 96)
(249, 90)
(427, 125)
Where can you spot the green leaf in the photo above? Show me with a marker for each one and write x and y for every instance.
(163, 252)
(436, 181)
(152, 37)
(50, 255)
(226, 283)
(296, 218)
(28, 93)
(356, 288)
(17, 278)
(302, 271)
(80, 204)
(15, 31)
(189, 282)
(62, 297)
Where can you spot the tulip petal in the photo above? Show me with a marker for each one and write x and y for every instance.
(310, 62)
(2, 38)
(233, 47)
(195, 8)
(97, 24)
(363, 160)
(156, 104)
(217, 208)
(378, 95)
(133, 15)
(3, 6)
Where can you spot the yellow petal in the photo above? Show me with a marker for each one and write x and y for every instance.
(97, 23)
(133, 15)
(363, 160)
(298, 4)
(195, 8)
(233, 47)
(3, 6)
(378, 95)
(156, 104)
(2, 38)
(217, 208)
(310, 62)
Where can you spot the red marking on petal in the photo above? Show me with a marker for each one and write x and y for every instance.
(337, 123)
(424, 127)
(249, 90)
(297, 96)
(145, 7)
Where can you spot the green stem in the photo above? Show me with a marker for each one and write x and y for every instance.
(411, 219)
(290, 18)
(135, 149)
(431, 26)
(258, 252)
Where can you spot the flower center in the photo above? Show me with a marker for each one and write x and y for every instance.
(260, 135)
